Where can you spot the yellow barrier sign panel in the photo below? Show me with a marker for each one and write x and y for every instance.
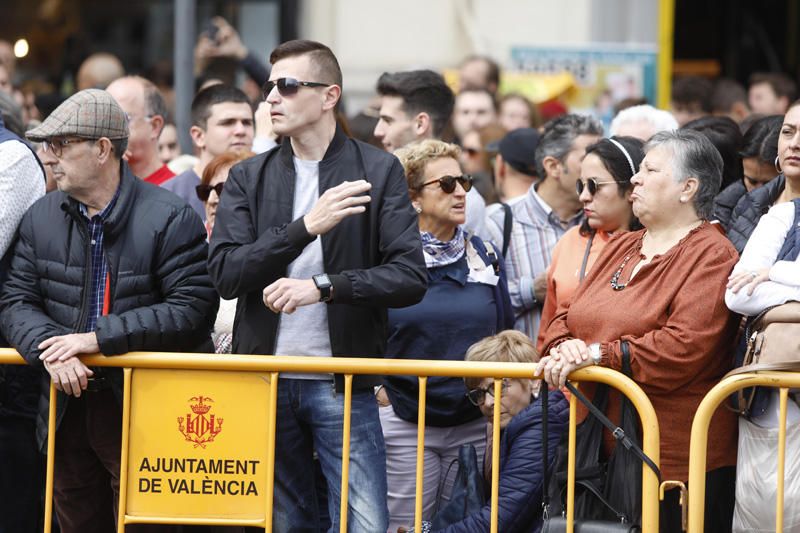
(198, 444)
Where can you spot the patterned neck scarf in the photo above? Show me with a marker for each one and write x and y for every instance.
(439, 253)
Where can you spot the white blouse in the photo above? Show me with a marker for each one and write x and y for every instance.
(761, 252)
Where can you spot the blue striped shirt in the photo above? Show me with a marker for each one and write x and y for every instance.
(99, 264)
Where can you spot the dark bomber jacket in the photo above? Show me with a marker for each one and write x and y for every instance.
(373, 259)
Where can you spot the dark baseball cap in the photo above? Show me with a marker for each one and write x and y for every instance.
(518, 149)
(89, 114)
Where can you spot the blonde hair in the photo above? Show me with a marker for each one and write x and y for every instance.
(415, 157)
(508, 346)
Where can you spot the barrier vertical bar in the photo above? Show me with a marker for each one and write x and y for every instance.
(272, 415)
(348, 398)
(423, 388)
(498, 391)
(51, 459)
(123, 459)
(781, 461)
(573, 421)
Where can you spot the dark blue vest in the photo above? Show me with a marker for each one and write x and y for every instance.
(791, 246)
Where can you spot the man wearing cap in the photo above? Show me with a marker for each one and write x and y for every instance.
(417, 105)
(109, 264)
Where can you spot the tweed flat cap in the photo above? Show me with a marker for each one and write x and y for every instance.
(90, 114)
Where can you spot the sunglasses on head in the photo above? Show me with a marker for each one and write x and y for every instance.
(204, 191)
(448, 183)
(591, 184)
(289, 86)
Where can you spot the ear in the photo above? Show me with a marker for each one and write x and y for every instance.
(156, 125)
(422, 124)
(499, 166)
(106, 149)
(690, 187)
(552, 166)
(198, 136)
(740, 111)
(627, 194)
(331, 96)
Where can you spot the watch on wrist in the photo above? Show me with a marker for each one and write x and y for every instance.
(595, 352)
(323, 283)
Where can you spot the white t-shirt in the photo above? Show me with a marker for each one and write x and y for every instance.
(305, 332)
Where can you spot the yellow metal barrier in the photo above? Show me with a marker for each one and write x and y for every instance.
(348, 367)
(666, 41)
(699, 440)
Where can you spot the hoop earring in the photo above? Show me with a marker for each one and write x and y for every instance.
(778, 164)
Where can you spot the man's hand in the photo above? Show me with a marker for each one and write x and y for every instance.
(66, 347)
(540, 287)
(335, 204)
(70, 376)
(286, 295)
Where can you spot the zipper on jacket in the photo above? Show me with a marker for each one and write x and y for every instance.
(87, 277)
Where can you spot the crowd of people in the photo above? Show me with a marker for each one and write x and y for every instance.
(441, 224)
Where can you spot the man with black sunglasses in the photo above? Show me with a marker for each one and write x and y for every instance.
(316, 238)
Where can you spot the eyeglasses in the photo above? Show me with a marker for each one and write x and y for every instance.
(204, 191)
(591, 184)
(471, 152)
(448, 183)
(477, 396)
(56, 146)
(289, 86)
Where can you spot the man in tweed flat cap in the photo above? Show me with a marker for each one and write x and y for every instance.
(109, 264)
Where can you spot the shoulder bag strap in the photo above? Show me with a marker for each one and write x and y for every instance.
(586, 257)
(507, 223)
(543, 390)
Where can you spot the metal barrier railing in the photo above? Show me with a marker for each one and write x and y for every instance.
(699, 440)
(348, 367)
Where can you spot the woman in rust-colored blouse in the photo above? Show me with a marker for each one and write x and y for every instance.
(661, 290)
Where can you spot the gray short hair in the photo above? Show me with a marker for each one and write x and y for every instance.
(658, 119)
(559, 135)
(693, 155)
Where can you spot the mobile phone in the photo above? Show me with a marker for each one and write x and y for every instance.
(211, 30)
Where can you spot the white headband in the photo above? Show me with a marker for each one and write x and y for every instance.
(626, 154)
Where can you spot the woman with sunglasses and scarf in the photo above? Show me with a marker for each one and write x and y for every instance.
(604, 188)
(467, 300)
(657, 297)
(209, 191)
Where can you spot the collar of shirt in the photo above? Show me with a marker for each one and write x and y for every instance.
(550, 214)
(103, 214)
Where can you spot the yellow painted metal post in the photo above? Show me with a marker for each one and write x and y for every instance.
(781, 461)
(573, 422)
(272, 416)
(51, 459)
(666, 38)
(348, 399)
(423, 388)
(498, 391)
(123, 459)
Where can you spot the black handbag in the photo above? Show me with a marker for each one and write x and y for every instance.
(607, 494)
(467, 495)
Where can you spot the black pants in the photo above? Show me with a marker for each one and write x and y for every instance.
(720, 499)
(22, 470)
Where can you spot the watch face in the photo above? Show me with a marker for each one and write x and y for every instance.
(322, 280)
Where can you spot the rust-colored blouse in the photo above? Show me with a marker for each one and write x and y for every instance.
(673, 316)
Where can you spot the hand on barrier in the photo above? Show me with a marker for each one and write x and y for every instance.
(749, 279)
(335, 204)
(564, 359)
(70, 376)
(64, 347)
(286, 295)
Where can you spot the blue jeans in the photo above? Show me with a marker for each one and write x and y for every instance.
(310, 418)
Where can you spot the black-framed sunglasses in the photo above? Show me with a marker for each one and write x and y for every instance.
(56, 146)
(289, 86)
(592, 184)
(477, 396)
(204, 191)
(448, 183)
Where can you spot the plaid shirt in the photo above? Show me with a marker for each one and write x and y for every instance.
(534, 232)
(99, 264)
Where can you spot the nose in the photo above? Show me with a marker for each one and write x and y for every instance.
(585, 196)
(488, 401)
(459, 190)
(273, 96)
(379, 130)
(636, 179)
(47, 157)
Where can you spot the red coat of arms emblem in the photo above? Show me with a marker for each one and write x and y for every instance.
(202, 427)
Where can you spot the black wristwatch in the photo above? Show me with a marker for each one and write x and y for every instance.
(325, 287)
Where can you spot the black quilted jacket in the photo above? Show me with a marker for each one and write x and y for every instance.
(750, 209)
(162, 298)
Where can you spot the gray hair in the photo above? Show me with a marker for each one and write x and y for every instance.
(658, 119)
(559, 135)
(693, 156)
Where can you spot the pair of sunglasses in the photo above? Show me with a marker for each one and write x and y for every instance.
(477, 397)
(204, 191)
(592, 184)
(448, 183)
(289, 86)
